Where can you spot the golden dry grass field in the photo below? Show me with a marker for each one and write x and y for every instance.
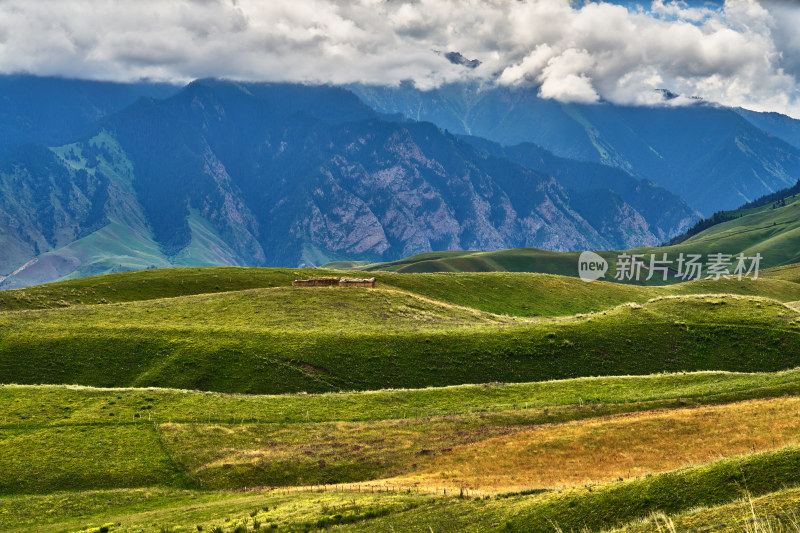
(611, 448)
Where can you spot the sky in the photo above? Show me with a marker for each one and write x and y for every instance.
(738, 52)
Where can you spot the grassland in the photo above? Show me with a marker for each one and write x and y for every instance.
(513, 293)
(789, 273)
(598, 451)
(165, 330)
(599, 507)
(155, 510)
(776, 512)
(193, 439)
(542, 395)
(770, 230)
(83, 439)
(513, 260)
(593, 507)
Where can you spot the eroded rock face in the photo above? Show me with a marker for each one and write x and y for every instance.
(45, 205)
(407, 190)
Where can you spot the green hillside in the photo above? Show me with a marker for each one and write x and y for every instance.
(150, 400)
(157, 456)
(592, 509)
(773, 230)
(512, 293)
(428, 330)
(789, 273)
(514, 260)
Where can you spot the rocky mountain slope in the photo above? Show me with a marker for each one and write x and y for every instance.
(282, 174)
(265, 174)
(713, 157)
(598, 190)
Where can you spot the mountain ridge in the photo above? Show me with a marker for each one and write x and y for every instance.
(712, 156)
(274, 174)
(271, 184)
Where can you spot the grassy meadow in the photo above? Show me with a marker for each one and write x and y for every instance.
(223, 399)
(280, 339)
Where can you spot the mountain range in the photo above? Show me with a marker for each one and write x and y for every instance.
(101, 177)
(768, 227)
(714, 157)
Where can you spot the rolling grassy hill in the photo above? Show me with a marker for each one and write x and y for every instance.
(514, 260)
(158, 455)
(420, 333)
(772, 230)
(512, 293)
(633, 445)
(452, 379)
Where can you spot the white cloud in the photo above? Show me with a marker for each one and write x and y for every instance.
(564, 77)
(681, 11)
(527, 70)
(744, 53)
(730, 55)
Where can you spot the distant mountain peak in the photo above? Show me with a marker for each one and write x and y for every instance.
(667, 95)
(457, 58)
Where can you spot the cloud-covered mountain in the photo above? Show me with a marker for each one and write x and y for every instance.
(713, 157)
(281, 174)
(53, 111)
(738, 53)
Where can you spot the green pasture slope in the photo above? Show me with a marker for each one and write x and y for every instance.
(513, 293)
(133, 458)
(512, 260)
(412, 331)
(591, 508)
(772, 229)
(73, 457)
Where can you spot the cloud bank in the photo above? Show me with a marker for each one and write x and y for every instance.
(740, 53)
